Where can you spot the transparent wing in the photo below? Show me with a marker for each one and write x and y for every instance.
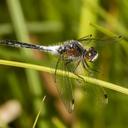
(65, 85)
(100, 40)
(93, 72)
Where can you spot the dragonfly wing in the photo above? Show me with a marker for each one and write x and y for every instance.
(65, 85)
(100, 40)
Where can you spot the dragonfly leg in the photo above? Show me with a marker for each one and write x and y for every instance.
(86, 66)
(88, 69)
(76, 66)
(73, 71)
(57, 67)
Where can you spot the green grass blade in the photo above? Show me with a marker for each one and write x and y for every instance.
(71, 75)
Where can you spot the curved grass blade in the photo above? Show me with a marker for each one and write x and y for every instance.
(91, 80)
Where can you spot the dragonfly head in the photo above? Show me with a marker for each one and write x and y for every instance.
(91, 54)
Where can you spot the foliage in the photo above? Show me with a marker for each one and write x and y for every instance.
(48, 22)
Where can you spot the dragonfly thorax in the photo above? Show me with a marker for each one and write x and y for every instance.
(71, 50)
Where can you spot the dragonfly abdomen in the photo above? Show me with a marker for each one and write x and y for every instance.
(13, 43)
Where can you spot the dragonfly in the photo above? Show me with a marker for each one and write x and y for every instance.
(69, 52)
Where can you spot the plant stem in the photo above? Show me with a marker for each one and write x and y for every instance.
(71, 75)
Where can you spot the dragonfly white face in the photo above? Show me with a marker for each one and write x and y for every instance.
(91, 54)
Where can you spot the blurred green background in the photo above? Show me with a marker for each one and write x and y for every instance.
(49, 22)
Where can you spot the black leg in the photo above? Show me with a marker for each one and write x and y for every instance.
(76, 66)
(57, 67)
(85, 65)
(88, 69)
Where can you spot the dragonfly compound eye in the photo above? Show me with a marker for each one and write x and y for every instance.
(92, 54)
